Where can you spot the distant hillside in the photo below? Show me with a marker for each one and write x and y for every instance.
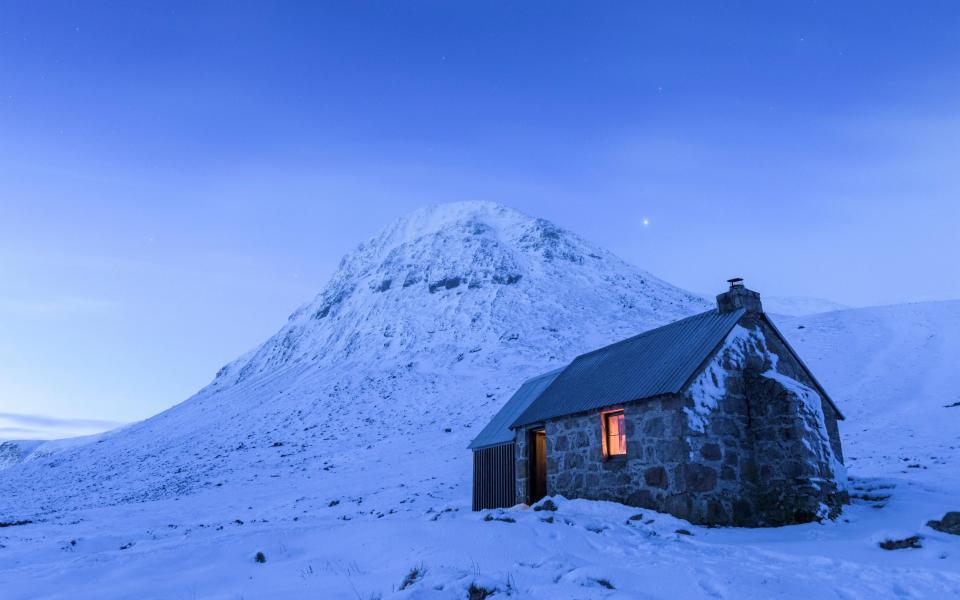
(796, 306)
(893, 371)
(16, 451)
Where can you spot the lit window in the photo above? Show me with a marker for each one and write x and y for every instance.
(616, 437)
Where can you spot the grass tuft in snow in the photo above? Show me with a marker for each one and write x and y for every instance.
(415, 575)
(479, 592)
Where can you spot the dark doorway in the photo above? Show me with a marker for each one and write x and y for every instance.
(538, 465)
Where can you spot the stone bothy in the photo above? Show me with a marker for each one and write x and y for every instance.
(713, 418)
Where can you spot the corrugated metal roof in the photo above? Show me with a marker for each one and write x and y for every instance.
(659, 361)
(497, 430)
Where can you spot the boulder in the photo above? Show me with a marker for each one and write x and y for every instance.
(950, 523)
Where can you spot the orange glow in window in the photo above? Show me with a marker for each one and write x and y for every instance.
(616, 436)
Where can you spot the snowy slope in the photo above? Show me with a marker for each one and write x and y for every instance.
(15, 451)
(896, 371)
(338, 448)
(798, 306)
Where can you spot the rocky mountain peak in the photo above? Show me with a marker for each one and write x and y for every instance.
(473, 274)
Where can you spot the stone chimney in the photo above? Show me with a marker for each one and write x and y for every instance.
(739, 297)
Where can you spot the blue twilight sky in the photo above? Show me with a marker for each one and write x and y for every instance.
(175, 178)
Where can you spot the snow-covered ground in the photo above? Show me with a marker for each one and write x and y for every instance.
(337, 449)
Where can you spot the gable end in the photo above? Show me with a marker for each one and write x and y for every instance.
(804, 366)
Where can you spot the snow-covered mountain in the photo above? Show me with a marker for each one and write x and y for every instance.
(473, 277)
(337, 448)
(428, 326)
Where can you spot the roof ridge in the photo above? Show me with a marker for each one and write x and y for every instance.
(647, 332)
(544, 374)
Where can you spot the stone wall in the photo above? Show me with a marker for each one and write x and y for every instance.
(833, 430)
(648, 476)
(722, 452)
(645, 476)
(797, 444)
(778, 438)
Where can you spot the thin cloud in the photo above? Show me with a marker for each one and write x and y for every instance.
(20, 426)
(19, 433)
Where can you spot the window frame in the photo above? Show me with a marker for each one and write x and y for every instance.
(604, 433)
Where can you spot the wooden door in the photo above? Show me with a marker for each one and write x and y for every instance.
(538, 465)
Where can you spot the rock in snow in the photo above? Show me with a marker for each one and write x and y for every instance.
(337, 448)
(950, 523)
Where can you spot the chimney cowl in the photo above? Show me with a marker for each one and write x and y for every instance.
(738, 296)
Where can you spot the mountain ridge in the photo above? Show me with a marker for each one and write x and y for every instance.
(443, 249)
